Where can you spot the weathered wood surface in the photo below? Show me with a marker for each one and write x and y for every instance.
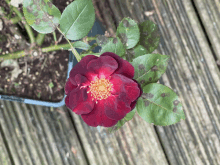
(31, 134)
(39, 135)
(192, 73)
(209, 12)
(4, 156)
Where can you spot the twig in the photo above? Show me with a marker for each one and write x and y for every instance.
(42, 67)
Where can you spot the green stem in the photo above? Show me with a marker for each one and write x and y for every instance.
(40, 39)
(55, 47)
(27, 27)
(95, 54)
(15, 20)
(12, 55)
(93, 46)
(22, 53)
(90, 38)
(73, 50)
(55, 37)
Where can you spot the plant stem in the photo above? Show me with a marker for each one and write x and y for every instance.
(40, 39)
(93, 46)
(15, 20)
(73, 50)
(90, 38)
(17, 54)
(27, 27)
(55, 37)
(55, 47)
(95, 54)
(22, 53)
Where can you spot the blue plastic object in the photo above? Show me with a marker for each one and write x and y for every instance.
(96, 29)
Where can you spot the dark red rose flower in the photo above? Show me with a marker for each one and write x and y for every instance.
(101, 89)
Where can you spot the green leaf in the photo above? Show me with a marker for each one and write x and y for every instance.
(149, 68)
(114, 45)
(159, 105)
(102, 40)
(51, 85)
(128, 32)
(77, 19)
(121, 122)
(130, 115)
(132, 53)
(80, 45)
(16, 84)
(41, 15)
(149, 35)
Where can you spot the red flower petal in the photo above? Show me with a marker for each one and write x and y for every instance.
(115, 107)
(124, 67)
(80, 102)
(69, 87)
(103, 66)
(67, 102)
(79, 80)
(81, 67)
(123, 84)
(133, 104)
(97, 117)
(141, 91)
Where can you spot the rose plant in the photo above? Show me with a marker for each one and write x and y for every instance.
(107, 88)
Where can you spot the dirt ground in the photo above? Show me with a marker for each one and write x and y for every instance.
(39, 78)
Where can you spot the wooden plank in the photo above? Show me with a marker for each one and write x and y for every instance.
(40, 135)
(192, 73)
(4, 155)
(209, 12)
(197, 78)
(126, 146)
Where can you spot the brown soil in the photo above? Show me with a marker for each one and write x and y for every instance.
(36, 73)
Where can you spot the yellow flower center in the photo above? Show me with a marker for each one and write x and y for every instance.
(100, 89)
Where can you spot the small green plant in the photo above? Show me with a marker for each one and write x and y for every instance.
(51, 85)
(39, 94)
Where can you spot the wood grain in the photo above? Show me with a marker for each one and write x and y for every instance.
(192, 73)
(209, 12)
(40, 135)
(4, 156)
(135, 143)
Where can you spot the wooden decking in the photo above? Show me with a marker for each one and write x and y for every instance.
(37, 135)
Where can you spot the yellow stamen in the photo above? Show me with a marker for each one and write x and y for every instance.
(100, 89)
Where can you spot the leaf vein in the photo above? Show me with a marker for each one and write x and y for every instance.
(160, 106)
(76, 19)
(143, 74)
